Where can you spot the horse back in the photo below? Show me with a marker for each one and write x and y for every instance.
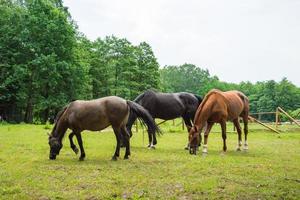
(237, 103)
(97, 114)
(162, 105)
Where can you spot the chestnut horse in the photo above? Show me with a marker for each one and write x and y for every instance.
(219, 107)
(95, 115)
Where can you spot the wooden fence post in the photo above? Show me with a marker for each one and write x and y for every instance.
(277, 117)
(281, 110)
(269, 127)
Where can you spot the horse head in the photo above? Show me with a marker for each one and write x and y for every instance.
(55, 147)
(194, 139)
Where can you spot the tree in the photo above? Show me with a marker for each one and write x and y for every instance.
(39, 58)
(148, 69)
(186, 77)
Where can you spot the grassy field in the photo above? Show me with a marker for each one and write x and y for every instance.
(270, 169)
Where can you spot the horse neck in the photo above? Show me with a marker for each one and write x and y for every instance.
(202, 115)
(201, 120)
(60, 129)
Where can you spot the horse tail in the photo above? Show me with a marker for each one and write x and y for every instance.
(144, 116)
(198, 98)
(243, 97)
(245, 100)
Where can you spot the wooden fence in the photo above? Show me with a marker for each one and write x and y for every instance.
(277, 113)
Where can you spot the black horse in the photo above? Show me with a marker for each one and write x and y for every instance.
(166, 106)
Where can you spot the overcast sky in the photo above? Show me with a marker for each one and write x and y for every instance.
(237, 40)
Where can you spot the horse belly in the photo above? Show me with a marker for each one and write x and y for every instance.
(90, 121)
(167, 111)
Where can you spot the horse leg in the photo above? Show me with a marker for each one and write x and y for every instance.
(79, 140)
(189, 125)
(238, 128)
(154, 141)
(117, 152)
(122, 141)
(223, 126)
(73, 146)
(150, 140)
(200, 131)
(126, 137)
(245, 120)
(206, 133)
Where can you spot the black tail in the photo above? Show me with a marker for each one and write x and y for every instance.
(143, 115)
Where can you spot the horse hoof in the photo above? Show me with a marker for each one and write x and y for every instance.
(81, 159)
(114, 158)
(126, 157)
(186, 148)
(151, 147)
(238, 149)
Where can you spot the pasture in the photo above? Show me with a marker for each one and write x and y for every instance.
(270, 169)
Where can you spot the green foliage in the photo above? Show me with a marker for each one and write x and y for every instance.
(119, 68)
(187, 77)
(263, 96)
(46, 63)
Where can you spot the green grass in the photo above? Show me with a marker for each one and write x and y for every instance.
(269, 170)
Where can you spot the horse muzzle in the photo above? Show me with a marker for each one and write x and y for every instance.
(193, 150)
(52, 157)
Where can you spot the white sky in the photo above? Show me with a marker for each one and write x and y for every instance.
(237, 40)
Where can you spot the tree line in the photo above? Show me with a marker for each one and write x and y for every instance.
(45, 62)
(264, 96)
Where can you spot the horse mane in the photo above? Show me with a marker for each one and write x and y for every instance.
(58, 116)
(139, 97)
(198, 98)
(213, 91)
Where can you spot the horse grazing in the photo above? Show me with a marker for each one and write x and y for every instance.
(166, 106)
(95, 115)
(219, 107)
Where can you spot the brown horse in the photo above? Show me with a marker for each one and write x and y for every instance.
(219, 107)
(95, 115)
